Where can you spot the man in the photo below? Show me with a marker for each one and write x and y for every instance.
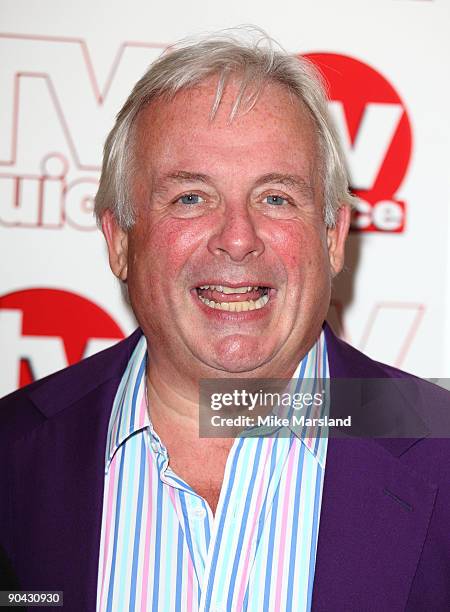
(225, 206)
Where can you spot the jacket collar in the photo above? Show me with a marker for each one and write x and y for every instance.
(54, 393)
(375, 511)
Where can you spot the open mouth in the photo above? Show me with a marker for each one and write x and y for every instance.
(233, 299)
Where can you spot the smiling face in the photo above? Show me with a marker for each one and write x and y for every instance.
(229, 263)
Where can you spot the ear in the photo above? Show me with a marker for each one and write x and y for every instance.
(336, 237)
(117, 241)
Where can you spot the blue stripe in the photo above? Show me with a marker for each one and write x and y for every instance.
(137, 531)
(181, 483)
(187, 530)
(122, 411)
(221, 524)
(325, 360)
(312, 558)
(294, 533)
(115, 414)
(159, 497)
(206, 527)
(116, 531)
(179, 578)
(319, 430)
(298, 384)
(268, 580)
(126, 511)
(135, 394)
(301, 374)
(244, 521)
(263, 509)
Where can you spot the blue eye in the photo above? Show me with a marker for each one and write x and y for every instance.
(275, 200)
(190, 198)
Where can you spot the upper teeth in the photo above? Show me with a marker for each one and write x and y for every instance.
(237, 306)
(225, 289)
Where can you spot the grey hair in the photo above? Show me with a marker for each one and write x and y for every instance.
(256, 59)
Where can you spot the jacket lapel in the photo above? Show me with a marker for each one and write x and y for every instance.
(373, 523)
(374, 514)
(60, 466)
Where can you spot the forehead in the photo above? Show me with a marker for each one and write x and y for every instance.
(278, 128)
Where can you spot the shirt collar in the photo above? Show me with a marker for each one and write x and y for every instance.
(130, 415)
(311, 376)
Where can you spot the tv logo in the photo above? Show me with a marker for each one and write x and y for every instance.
(52, 127)
(47, 200)
(45, 330)
(375, 133)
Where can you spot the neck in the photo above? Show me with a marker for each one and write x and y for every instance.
(173, 388)
(167, 398)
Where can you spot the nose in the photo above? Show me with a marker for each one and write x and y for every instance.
(236, 236)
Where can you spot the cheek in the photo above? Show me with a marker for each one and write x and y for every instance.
(300, 247)
(166, 245)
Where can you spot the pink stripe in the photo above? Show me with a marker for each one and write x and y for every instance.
(175, 502)
(190, 576)
(256, 517)
(187, 557)
(108, 528)
(172, 497)
(287, 489)
(148, 525)
(319, 357)
(190, 589)
(310, 440)
(142, 410)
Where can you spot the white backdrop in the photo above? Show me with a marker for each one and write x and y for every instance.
(65, 70)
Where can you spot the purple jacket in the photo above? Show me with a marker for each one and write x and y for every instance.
(384, 538)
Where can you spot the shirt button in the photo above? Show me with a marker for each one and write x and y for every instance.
(155, 447)
(199, 513)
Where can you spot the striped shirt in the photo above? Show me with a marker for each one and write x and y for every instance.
(161, 547)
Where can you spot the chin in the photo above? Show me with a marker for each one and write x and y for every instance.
(232, 368)
(237, 355)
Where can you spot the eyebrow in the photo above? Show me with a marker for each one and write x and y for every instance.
(184, 177)
(293, 181)
(288, 180)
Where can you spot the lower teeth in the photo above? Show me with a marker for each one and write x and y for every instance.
(237, 306)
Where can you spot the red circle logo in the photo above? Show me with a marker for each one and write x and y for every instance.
(45, 330)
(375, 132)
